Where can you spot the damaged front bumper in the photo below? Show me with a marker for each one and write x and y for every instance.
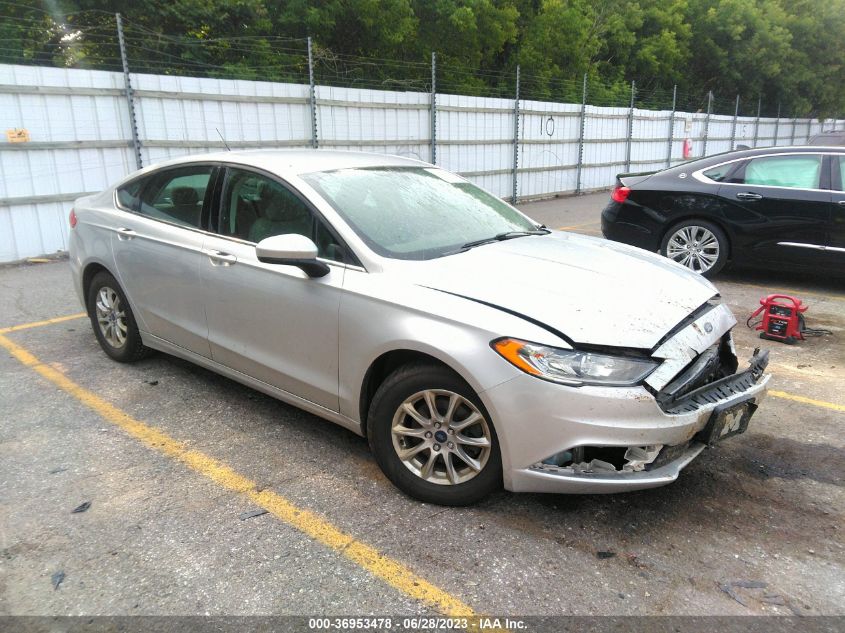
(557, 439)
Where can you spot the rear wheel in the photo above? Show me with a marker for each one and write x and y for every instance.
(697, 244)
(432, 437)
(112, 319)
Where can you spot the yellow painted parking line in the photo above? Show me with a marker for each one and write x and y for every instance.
(816, 403)
(369, 558)
(26, 326)
(576, 226)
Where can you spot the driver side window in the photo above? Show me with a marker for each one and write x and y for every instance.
(255, 207)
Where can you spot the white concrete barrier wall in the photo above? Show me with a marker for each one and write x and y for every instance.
(80, 140)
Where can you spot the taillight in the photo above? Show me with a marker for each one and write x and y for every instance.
(620, 194)
(72, 219)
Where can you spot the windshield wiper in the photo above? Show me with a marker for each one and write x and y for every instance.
(507, 235)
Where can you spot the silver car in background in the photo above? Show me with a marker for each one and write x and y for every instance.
(472, 347)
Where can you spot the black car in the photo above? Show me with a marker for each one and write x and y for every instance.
(770, 207)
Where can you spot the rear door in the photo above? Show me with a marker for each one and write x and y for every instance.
(780, 208)
(157, 244)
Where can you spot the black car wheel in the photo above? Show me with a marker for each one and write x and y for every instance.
(699, 245)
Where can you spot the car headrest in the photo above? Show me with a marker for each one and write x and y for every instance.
(185, 196)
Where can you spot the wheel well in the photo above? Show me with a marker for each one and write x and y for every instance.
(700, 219)
(382, 367)
(88, 275)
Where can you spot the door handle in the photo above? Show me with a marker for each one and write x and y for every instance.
(124, 234)
(219, 258)
(841, 203)
(749, 196)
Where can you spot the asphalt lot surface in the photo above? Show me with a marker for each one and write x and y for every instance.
(170, 457)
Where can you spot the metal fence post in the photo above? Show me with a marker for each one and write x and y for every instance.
(707, 122)
(630, 127)
(515, 139)
(792, 136)
(672, 125)
(127, 84)
(757, 120)
(582, 126)
(777, 125)
(312, 96)
(733, 126)
(433, 108)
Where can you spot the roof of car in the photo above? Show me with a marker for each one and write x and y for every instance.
(724, 157)
(780, 149)
(296, 161)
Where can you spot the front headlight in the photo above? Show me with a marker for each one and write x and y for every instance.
(571, 367)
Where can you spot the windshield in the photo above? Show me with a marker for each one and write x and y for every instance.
(416, 212)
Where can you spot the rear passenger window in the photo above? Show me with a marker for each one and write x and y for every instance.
(177, 195)
(799, 172)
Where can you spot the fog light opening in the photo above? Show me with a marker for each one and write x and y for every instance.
(598, 459)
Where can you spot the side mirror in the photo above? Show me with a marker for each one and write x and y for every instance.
(291, 249)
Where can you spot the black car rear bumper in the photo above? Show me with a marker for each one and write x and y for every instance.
(622, 225)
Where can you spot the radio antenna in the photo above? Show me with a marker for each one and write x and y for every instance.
(228, 149)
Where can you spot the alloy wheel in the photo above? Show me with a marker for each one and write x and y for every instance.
(695, 247)
(111, 317)
(441, 437)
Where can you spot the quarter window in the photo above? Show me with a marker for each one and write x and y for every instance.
(841, 182)
(256, 207)
(176, 195)
(798, 172)
(128, 195)
(718, 173)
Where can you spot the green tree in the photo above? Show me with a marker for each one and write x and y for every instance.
(468, 35)
(740, 46)
(785, 51)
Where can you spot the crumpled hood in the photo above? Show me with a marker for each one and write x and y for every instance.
(593, 291)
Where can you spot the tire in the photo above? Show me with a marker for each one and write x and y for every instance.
(462, 484)
(118, 335)
(699, 245)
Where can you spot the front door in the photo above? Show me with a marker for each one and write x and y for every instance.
(272, 322)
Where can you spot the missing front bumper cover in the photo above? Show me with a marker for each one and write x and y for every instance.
(604, 459)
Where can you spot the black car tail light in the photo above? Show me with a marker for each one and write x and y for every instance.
(620, 194)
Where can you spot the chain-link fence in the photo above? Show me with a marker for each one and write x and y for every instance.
(146, 97)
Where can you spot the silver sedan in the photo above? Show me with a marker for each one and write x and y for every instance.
(472, 347)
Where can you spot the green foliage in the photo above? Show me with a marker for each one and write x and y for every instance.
(786, 52)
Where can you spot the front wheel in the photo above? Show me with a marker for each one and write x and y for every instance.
(433, 438)
(697, 244)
